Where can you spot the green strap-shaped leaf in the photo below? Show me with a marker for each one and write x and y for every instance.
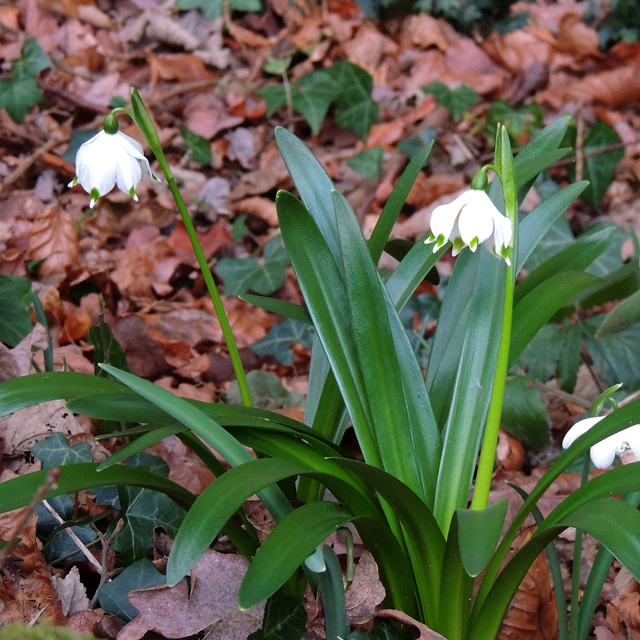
(206, 428)
(292, 541)
(479, 533)
(541, 219)
(538, 306)
(281, 307)
(19, 492)
(576, 257)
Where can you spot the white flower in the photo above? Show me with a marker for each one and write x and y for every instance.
(109, 160)
(604, 452)
(468, 221)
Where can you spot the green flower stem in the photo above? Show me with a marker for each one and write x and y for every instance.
(506, 170)
(142, 118)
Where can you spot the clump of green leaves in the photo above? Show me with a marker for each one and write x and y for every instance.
(456, 101)
(199, 148)
(519, 121)
(21, 92)
(345, 85)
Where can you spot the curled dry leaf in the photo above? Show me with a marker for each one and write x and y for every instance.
(53, 239)
(23, 428)
(16, 362)
(213, 602)
(422, 629)
(366, 591)
(71, 591)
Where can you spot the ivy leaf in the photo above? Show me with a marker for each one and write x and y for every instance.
(32, 60)
(312, 96)
(284, 619)
(199, 148)
(266, 390)
(456, 101)
(524, 414)
(113, 596)
(367, 163)
(238, 274)
(279, 339)
(18, 96)
(55, 451)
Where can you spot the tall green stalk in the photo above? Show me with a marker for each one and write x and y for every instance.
(142, 118)
(506, 172)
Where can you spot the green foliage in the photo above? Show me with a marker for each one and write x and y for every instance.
(266, 390)
(456, 101)
(345, 85)
(41, 631)
(524, 414)
(212, 9)
(199, 148)
(263, 275)
(21, 91)
(284, 619)
(78, 137)
(279, 339)
(520, 122)
(622, 22)
(600, 159)
(15, 319)
(367, 163)
(113, 595)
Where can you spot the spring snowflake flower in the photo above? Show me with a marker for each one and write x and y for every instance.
(109, 160)
(604, 452)
(468, 221)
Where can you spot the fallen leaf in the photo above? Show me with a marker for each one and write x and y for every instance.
(53, 239)
(179, 67)
(213, 602)
(16, 362)
(422, 629)
(71, 591)
(365, 592)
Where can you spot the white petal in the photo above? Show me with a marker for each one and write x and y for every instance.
(443, 219)
(502, 233)
(604, 453)
(633, 439)
(580, 427)
(475, 222)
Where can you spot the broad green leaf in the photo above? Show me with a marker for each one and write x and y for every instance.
(284, 619)
(199, 148)
(312, 96)
(293, 539)
(367, 163)
(106, 349)
(518, 121)
(15, 319)
(281, 337)
(557, 237)
(32, 60)
(479, 533)
(540, 357)
(113, 595)
(274, 97)
(19, 95)
(266, 390)
(620, 318)
(537, 307)
(618, 357)
(524, 414)
(359, 117)
(456, 101)
(238, 274)
(55, 451)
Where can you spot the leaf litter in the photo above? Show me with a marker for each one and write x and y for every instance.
(206, 74)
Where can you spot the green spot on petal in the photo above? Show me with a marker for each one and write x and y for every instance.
(458, 244)
(473, 245)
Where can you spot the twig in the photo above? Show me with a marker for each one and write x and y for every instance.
(51, 482)
(105, 544)
(85, 552)
(26, 164)
(563, 395)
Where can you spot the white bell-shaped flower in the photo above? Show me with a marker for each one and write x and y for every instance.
(109, 160)
(468, 221)
(604, 452)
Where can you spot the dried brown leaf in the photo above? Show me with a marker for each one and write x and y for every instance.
(213, 602)
(53, 239)
(424, 632)
(365, 592)
(16, 362)
(71, 591)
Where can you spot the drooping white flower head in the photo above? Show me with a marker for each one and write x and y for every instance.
(604, 452)
(109, 160)
(468, 221)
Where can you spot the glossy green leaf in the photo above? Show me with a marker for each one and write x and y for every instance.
(281, 337)
(524, 414)
(285, 549)
(479, 533)
(536, 308)
(19, 491)
(456, 101)
(15, 320)
(206, 428)
(280, 307)
(576, 257)
(620, 318)
(55, 451)
(367, 163)
(536, 224)
(330, 581)
(284, 619)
